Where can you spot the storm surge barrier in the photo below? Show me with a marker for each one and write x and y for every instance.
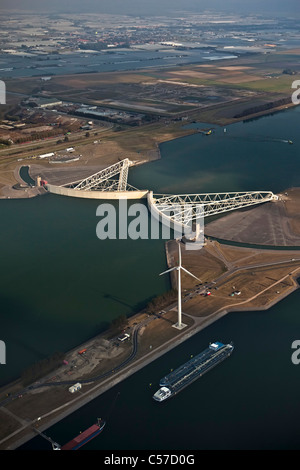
(111, 183)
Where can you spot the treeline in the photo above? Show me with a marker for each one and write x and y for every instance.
(14, 114)
(42, 368)
(38, 136)
(5, 142)
(263, 107)
(161, 301)
(118, 323)
(289, 72)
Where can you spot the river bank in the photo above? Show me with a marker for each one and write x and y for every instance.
(263, 277)
(111, 149)
(54, 228)
(37, 407)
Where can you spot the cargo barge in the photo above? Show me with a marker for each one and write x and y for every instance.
(192, 370)
(85, 436)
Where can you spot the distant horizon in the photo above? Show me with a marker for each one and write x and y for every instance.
(289, 8)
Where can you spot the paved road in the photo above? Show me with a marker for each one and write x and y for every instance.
(110, 378)
(86, 381)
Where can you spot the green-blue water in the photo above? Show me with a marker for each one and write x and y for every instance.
(60, 285)
(253, 155)
(250, 401)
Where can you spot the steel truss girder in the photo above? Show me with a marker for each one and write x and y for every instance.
(113, 185)
(192, 206)
(100, 180)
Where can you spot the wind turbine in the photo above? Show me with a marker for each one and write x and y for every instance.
(178, 268)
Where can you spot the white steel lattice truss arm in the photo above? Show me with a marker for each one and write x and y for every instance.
(123, 176)
(96, 181)
(186, 205)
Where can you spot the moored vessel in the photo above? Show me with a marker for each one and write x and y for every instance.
(85, 436)
(187, 373)
(162, 394)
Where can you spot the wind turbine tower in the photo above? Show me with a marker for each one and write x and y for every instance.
(179, 325)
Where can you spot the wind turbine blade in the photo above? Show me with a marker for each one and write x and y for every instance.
(188, 272)
(168, 270)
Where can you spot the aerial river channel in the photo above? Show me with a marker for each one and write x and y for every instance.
(61, 285)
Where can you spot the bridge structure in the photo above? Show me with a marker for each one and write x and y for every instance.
(191, 206)
(108, 183)
(185, 213)
(104, 180)
(111, 183)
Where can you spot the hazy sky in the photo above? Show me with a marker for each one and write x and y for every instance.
(156, 7)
